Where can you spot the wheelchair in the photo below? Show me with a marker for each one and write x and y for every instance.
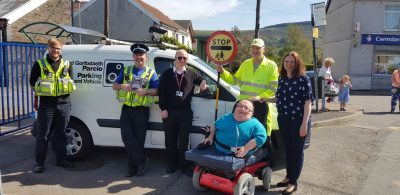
(227, 173)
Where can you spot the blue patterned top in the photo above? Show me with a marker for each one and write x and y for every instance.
(291, 96)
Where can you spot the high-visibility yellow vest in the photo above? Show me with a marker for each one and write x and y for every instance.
(54, 84)
(130, 98)
(261, 83)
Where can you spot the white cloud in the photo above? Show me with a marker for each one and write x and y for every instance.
(193, 9)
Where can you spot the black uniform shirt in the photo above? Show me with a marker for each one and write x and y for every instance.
(36, 73)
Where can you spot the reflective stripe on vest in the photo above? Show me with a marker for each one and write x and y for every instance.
(54, 84)
(130, 98)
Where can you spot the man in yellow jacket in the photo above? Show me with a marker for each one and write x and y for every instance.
(258, 80)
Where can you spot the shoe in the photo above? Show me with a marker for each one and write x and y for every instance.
(172, 167)
(392, 110)
(131, 172)
(142, 167)
(65, 163)
(38, 168)
(282, 184)
(285, 192)
(343, 109)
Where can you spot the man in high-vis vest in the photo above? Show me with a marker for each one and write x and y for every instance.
(51, 79)
(258, 80)
(135, 88)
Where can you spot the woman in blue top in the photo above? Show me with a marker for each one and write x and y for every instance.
(239, 131)
(293, 100)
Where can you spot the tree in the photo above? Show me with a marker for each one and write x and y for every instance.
(244, 42)
(296, 41)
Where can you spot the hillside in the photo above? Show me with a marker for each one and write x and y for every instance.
(274, 33)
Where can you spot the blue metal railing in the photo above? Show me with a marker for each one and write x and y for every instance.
(16, 60)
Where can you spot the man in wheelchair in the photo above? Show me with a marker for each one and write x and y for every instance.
(236, 138)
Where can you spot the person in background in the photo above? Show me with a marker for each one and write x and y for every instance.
(293, 100)
(395, 89)
(344, 91)
(175, 97)
(51, 79)
(326, 73)
(135, 87)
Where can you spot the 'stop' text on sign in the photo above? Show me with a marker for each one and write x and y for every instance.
(221, 47)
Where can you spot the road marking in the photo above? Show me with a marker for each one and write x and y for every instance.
(395, 128)
(365, 127)
(397, 183)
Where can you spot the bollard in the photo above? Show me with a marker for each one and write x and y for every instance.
(323, 96)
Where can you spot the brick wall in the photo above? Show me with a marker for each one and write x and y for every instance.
(54, 11)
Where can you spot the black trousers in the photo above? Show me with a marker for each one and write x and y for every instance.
(177, 129)
(134, 125)
(294, 147)
(260, 111)
(53, 117)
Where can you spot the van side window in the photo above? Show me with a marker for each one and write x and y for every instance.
(212, 86)
(162, 64)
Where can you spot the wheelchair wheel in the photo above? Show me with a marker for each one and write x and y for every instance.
(266, 177)
(245, 185)
(196, 180)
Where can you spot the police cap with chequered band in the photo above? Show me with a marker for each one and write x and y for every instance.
(139, 48)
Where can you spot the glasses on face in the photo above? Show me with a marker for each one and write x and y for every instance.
(56, 48)
(245, 108)
(182, 58)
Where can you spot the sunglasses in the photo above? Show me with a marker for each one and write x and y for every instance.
(182, 58)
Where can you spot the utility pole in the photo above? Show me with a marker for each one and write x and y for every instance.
(106, 18)
(72, 12)
(315, 61)
(257, 33)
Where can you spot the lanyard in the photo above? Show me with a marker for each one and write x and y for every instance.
(179, 83)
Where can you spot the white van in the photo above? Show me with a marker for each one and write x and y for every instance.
(96, 111)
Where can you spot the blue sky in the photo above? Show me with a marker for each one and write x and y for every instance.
(224, 14)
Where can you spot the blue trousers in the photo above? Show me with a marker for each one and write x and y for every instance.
(294, 147)
(395, 96)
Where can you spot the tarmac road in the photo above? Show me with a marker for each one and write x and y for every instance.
(359, 157)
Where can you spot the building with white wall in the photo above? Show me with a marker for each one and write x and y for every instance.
(363, 36)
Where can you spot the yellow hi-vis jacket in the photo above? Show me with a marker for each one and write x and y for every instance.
(54, 84)
(130, 98)
(260, 83)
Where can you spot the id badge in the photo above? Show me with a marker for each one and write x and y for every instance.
(136, 83)
(179, 93)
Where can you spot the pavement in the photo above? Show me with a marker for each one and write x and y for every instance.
(332, 115)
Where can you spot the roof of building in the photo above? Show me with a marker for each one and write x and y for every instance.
(6, 6)
(161, 16)
(184, 23)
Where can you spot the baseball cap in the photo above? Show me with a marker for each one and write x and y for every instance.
(139, 48)
(258, 42)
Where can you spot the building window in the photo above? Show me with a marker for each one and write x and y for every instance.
(176, 36)
(183, 40)
(392, 18)
(386, 63)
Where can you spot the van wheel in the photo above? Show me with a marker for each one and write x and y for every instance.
(79, 140)
(245, 185)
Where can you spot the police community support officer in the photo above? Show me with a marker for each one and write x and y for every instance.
(258, 80)
(175, 97)
(135, 87)
(51, 79)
